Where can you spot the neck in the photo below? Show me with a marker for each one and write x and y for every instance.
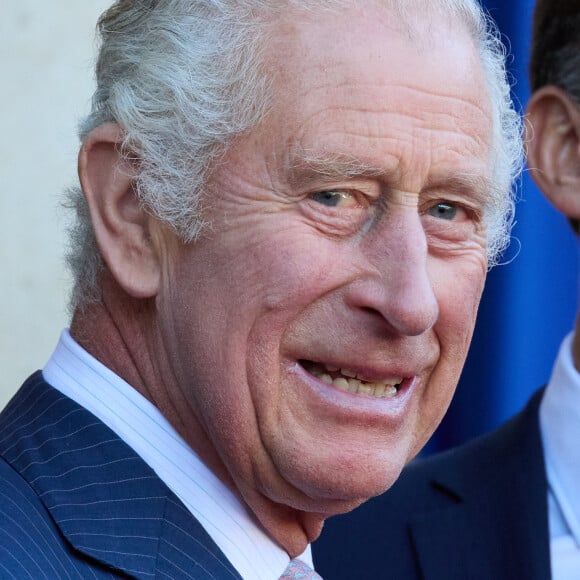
(122, 333)
(113, 332)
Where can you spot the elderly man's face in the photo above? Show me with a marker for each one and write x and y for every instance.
(318, 329)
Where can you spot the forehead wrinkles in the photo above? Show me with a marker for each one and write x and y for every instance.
(440, 111)
(405, 134)
(374, 107)
(364, 88)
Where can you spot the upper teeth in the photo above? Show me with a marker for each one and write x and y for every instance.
(386, 388)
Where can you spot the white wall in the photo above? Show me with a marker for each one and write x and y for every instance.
(46, 56)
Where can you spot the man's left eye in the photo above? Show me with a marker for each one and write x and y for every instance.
(444, 211)
(335, 198)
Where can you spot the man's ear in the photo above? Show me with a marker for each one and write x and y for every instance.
(120, 224)
(553, 147)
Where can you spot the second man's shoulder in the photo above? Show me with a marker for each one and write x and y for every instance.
(481, 462)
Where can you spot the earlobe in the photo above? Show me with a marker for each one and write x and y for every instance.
(121, 224)
(553, 147)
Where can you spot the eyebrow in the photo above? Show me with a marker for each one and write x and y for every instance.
(306, 169)
(478, 187)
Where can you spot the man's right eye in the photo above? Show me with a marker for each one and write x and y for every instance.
(335, 198)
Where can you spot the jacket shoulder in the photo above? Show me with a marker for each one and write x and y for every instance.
(31, 546)
(480, 463)
(31, 543)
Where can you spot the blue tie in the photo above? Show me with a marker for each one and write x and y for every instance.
(298, 570)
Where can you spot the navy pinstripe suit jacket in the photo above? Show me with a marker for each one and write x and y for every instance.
(77, 502)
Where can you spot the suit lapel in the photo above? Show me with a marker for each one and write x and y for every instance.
(186, 551)
(504, 491)
(107, 502)
(450, 531)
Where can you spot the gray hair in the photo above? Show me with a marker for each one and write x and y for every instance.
(184, 77)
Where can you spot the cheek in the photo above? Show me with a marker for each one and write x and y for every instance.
(283, 271)
(458, 285)
(458, 292)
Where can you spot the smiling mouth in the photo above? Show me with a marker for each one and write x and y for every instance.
(349, 381)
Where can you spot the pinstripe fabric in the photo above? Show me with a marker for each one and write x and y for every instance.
(77, 502)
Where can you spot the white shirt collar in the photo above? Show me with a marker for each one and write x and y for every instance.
(560, 426)
(79, 376)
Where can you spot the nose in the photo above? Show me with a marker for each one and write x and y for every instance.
(397, 286)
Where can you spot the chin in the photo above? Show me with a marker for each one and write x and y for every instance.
(343, 488)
